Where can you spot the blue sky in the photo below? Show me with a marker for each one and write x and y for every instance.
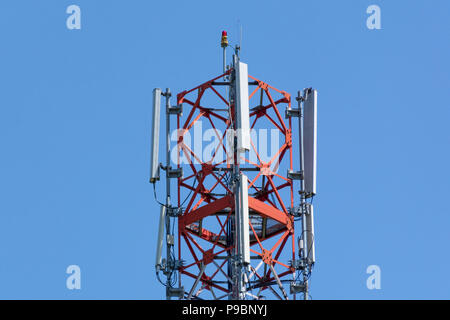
(75, 110)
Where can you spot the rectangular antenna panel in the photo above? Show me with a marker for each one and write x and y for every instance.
(242, 108)
(159, 243)
(244, 233)
(154, 161)
(310, 141)
(311, 250)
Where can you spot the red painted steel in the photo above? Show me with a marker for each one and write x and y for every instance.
(210, 202)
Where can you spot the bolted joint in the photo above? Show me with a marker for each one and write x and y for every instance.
(299, 97)
(176, 110)
(295, 211)
(302, 209)
(171, 265)
(175, 292)
(298, 264)
(297, 287)
(305, 208)
(167, 94)
(174, 211)
(177, 264)
(175, 173)
(295, 175)
(292, 113)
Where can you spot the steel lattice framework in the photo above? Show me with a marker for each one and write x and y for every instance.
(205, 227)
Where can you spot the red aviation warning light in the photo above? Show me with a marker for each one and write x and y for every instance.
(224, 42)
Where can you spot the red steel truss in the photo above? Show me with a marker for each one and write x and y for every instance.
(205, 193)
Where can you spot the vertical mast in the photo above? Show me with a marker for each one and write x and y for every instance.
(167, 217)
(302, 194)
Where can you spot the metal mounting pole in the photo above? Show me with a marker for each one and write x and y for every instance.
(231, 222)
(303, 197)
(167, 95)
(235, 177)
(224, 61)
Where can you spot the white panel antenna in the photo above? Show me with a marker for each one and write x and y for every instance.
(159, 243)
(311, 250)
(242, 106)
(154, 162)
(243, 223)
(310, 140)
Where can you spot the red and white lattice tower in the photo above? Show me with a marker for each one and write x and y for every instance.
(231, 232)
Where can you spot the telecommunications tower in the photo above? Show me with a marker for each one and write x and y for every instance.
(230, 214)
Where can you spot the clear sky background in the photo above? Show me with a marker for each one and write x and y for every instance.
(75, 110)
